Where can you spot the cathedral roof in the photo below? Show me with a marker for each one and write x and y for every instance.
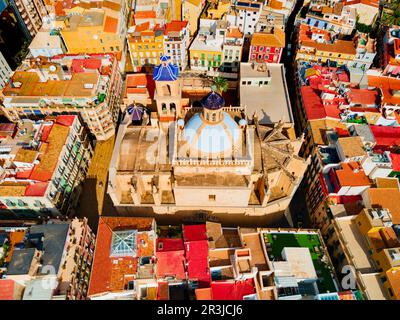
(210, 138)
(213, 101)
(165, 71)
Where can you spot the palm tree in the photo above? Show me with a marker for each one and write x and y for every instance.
(221, 85)
(391, 13)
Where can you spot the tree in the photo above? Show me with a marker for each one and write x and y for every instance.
(221, 84)
(391, 13)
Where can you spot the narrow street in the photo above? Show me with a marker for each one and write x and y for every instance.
(94, 188)
(297, 207)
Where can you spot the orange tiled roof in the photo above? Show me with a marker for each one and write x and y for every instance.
(234, 32)
(109, 274)
(175, 26)
(110, 25)
(142, 27)
(339, 46)
(347, 176)
(386, 198)
(276, 39)
(276, 4)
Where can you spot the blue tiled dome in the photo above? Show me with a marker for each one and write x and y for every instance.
(165, 71)
(211, 138)
(213, 101)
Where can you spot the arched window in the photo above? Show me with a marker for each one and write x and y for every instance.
(172, 107)
(164, 108)
(214, 116)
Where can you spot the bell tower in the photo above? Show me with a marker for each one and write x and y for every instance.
(168, 94)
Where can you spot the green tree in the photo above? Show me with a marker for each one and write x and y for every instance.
(391, 13)
(221, 84)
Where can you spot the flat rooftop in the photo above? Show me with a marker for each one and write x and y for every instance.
(270, 102)
(280, 240)
(31, 86)
(373, 286)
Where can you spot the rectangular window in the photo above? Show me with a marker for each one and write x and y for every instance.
(212, 197)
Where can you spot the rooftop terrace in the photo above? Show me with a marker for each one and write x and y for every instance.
(280, 240)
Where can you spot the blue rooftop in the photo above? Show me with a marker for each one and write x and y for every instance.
(165, 71)
(213, 101)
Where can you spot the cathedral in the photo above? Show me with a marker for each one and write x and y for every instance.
(205, 156)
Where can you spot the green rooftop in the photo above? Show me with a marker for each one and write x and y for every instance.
(279, 241)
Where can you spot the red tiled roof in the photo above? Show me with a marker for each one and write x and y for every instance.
(6, 289)
(363, 96)
(66, 120)
(134, 80)
(175, 26)
(169, 244)
(60, 5)
(111, 25)
(395, 157)
(36, 190)
(45, 132)
(79, 65)
(197, 262)
(23, 174)
(194, 232)
(171, 263)
(232, 290)
(386, 136)
(140, 80)
(313, 106)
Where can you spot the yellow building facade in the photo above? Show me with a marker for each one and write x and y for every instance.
(92, 31)
(205, 59)
(146, 49)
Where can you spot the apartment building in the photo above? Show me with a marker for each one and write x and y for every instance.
(93, 26)
(50, 261)
(264, 92)
(86, 84)
(368, 242)
(317, 46)
(206, 50)
(5, 71)
(47, 44)
(267, 47)
(245, 15)
(44, 163)
(29, 14)
(176, 42)
(146, 45)
(332, 16)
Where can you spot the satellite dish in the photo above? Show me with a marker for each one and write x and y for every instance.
(53, 68)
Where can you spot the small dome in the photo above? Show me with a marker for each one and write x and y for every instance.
(213, 101)
(212, 138)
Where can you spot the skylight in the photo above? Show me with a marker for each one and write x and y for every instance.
(123, 243)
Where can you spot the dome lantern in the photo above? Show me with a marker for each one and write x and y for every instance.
(212, 104)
